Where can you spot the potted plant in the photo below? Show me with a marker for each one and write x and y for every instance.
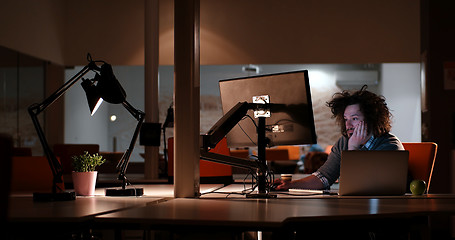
(84, 174)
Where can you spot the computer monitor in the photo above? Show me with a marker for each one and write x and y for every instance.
(290, 120)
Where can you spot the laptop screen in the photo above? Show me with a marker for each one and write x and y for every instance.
(373, 172)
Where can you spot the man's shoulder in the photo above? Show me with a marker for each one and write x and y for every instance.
(388, 141)
(389, 137)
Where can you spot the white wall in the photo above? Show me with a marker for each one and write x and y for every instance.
(400, 85)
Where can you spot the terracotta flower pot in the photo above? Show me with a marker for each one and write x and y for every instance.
(84, 183)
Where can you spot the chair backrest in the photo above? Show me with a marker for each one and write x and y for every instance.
(313, 161)
(421, 160)
(328, 149)
(22, 151)
(275, 154)
(240, 153)
(31, 174)
(206, 168)
(293, 152)
(66, 151)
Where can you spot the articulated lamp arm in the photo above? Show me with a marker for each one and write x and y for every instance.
(35, 109)
(123, 163)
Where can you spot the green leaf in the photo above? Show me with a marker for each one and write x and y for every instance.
(87, 162)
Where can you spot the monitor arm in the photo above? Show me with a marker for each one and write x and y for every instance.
(219, 131)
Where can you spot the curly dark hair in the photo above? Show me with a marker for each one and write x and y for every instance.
(373, 106)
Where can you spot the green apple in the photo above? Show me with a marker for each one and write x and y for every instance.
(418, 187)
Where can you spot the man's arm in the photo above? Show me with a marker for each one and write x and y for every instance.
(310, 182)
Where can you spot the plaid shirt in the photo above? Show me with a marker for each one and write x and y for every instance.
(368, 144)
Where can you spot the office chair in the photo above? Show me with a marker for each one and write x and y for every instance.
(30, 174)
(421, 160)
(66, 151)
(210, 172)
(22, 151)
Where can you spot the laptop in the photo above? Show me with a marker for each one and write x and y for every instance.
(373, 173)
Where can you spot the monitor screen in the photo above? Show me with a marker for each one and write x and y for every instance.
(290, 119)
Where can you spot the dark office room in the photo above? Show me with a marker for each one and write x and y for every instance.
(199, 119)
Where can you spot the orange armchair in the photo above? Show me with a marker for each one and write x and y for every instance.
(421, 160)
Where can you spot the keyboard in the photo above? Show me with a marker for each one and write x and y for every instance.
(311, 192)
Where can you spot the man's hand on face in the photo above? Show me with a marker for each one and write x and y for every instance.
(359, 137)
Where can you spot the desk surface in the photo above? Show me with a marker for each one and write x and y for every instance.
(214, 210)
(23, 209)
(157, 209)
(254, 214)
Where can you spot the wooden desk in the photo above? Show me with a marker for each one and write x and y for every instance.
(266, 214)
(62, 218)
(23, 209)
(157, 209)
(285, 214)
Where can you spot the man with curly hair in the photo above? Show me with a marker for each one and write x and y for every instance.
(365, 122)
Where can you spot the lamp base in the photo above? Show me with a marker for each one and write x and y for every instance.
(120, 192)
(52, 197)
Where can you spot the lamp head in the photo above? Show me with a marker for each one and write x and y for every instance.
(93, 98)
(108, 86)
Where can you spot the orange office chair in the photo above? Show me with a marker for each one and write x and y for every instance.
(328, 149)
(421, 160)
(293, 152)
(210, 172)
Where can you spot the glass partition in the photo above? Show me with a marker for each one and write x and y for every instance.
(21, 84)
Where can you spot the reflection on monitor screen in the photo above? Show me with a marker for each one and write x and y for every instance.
(289, 120)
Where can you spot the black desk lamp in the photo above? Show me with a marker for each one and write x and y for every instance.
(109, 89)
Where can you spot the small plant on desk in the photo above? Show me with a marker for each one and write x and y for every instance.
(87, 162)
(84, 174)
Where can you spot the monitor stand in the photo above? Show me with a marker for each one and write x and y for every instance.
(261, 175)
